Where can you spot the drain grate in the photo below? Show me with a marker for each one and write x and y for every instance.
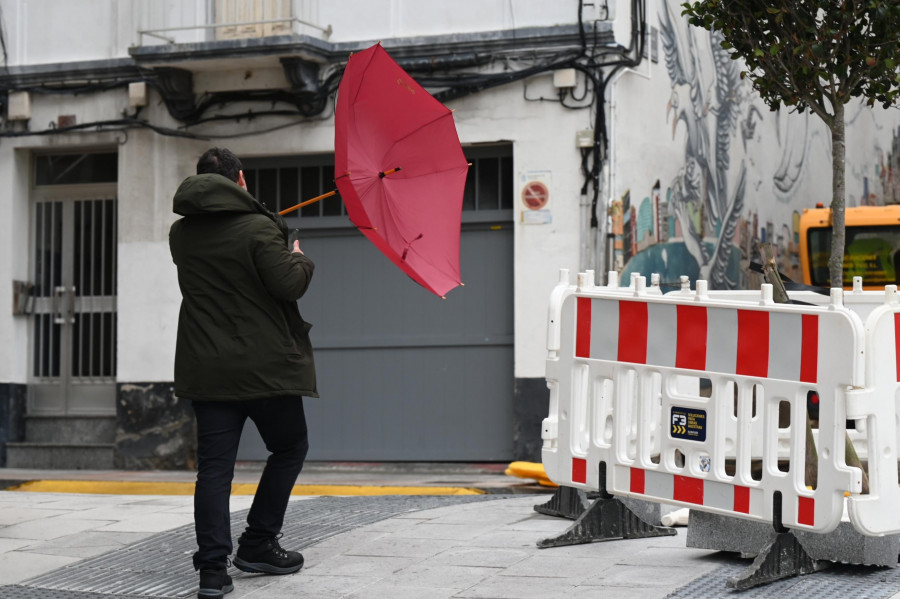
(837, 582)
(159, 567)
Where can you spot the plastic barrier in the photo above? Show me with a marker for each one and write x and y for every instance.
(625, 370)
(874, 407)
(876, 412)
(861, 302)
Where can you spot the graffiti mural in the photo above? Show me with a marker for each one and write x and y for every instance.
(738, 173)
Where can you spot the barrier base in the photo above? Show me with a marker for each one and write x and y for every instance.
(606, 518)
(566, 502)
(784, 557)
(845, 544)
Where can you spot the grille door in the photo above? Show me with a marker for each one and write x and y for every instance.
(74, 320)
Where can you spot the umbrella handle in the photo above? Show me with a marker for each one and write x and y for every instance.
(308, 202)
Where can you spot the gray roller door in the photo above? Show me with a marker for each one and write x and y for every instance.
(403, 374)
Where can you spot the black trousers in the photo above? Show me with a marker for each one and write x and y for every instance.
(282, 425)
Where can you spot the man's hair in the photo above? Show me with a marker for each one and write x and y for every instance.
(220, 161)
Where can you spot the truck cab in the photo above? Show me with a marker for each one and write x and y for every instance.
(872, 248)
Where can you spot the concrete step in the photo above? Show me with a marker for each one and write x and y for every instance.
(60, 456)
(70, 429)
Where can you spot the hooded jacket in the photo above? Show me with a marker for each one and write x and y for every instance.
(240, 333)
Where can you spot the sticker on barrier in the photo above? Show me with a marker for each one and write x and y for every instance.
(688, 424)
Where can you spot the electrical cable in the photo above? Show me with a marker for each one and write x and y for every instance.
(590, 58)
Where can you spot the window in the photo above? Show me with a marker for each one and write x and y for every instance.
(872, 252)
(280, 183)
(69, 169)
(490, 180)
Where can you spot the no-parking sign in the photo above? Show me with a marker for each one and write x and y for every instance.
(535, 195)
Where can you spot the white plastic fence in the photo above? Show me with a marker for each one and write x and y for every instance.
(625, 369)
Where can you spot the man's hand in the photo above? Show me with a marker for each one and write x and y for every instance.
(296, 249)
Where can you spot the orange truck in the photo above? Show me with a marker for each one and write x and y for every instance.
(872, 248)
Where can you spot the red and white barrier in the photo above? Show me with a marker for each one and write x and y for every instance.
(875, 408)
(625, 368)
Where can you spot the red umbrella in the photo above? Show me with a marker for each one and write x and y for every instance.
(400, 169)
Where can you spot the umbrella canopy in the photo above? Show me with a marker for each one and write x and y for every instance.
(400, 169)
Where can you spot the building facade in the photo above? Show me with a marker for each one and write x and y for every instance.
(603, 134)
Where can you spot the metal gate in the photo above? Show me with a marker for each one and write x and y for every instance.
(404, 375)
(74, 315)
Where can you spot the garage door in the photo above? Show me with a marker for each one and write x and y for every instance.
(403, 375)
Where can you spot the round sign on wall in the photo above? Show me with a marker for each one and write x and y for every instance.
(535, 195)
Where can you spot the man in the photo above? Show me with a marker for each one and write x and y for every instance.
(242, 351)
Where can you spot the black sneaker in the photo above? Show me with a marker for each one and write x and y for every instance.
(214, 584)
(267, 558)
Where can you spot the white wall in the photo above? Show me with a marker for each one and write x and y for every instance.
(14, 168)
(48, 31)
(543, 136)
(644, 143)
(378, 19)
(151, 167)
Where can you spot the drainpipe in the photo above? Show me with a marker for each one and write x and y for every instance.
(602, 247)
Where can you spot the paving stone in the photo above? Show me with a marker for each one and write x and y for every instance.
(475, 516)
(49, 528)
(400, 546)
(16, 515)
(158, 523)
(572, 569)
(129, 511)
(429, 530)
(399, 591)
(506, 539)
(85, 544)
(492, 558)
(532, 588)
(301, 586)
(352, 565)
(12, 544)
(646, 575)
(17, 566)
(592, 592)
(665, 556)
(426, 574)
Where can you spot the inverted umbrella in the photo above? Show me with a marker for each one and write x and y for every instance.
(400, 169)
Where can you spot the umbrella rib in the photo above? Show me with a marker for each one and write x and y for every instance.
(423, 125)
(364, 73)
(393, 218)
(443, 170)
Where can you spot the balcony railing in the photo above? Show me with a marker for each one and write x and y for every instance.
(291, 22)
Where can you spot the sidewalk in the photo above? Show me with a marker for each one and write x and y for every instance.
(75, 546)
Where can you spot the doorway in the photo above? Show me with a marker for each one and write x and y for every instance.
(73, 269)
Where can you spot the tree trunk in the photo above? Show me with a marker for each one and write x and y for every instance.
(838, 184)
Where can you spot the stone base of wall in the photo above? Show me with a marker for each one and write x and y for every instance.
(13, 397)
(532, 401)
(155, 431)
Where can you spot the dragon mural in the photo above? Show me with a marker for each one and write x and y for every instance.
(702, 183)
(735, 172)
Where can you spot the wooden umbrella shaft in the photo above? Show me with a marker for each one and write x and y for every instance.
(308, 202)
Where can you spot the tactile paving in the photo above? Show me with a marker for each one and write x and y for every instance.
(159, 567)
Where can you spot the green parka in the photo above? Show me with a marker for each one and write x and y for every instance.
(240, 334)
